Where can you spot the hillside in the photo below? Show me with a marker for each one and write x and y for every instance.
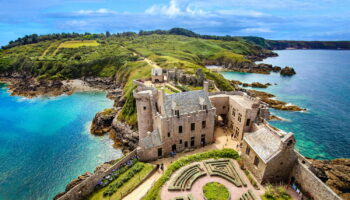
(121, 59)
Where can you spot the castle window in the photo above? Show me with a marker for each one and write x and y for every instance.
(233, 112)
(247, 151)
(157, 108)
(290, 142)
(144, 108)
(204, 124)
(237, 132)
(180, 129)
(193, 126)
(204, 107)
(248, 122)
(168, 134)
(180, 141)
(160, 153)
(256, 161)
(177, 113)
(192, 141)
(239, 117)
(223, 107)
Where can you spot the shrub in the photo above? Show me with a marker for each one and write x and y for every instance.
(123, 179)
(276, 193)
(153, 193)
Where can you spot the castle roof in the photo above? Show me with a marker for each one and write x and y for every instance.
(151, 140)
(157, 71)
(265, 143)
(186, 102)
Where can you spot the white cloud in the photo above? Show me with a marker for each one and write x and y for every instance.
(101, 11)
(170, 10)
(256, 30)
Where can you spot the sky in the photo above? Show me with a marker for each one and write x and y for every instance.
(271, 19)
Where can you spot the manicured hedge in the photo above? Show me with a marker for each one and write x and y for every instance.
(126, 177)
(154, 192)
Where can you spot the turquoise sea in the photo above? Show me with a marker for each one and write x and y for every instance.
(322, 85)
(45, 143)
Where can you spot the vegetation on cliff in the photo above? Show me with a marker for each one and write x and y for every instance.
(121, 57)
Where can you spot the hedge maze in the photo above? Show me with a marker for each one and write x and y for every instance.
(188, 197)
(185, 179)
(224, 169)
(248, 196)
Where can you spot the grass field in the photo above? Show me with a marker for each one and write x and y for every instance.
(126, 188)
(78, 43)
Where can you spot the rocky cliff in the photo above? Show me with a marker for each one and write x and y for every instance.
(336, 174)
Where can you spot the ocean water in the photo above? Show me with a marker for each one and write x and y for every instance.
(45, 143)
(322, 85)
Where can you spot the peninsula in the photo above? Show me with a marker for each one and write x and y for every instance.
(167, 103)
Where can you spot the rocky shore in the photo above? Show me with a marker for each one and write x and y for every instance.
(106, 122)
(335, 173)
(273, 103)
(253, 85)
(99, 169)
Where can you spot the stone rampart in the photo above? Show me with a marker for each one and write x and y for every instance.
(303, 175)
(86, 187)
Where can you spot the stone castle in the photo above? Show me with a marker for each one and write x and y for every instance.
(170, 123)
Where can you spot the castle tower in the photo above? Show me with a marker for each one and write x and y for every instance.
(144, 112)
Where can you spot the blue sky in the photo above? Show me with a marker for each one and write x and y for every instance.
(272, 19)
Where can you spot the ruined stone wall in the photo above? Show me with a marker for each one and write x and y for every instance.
(302, 173)
(82, 190)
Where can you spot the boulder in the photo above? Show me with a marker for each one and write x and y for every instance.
(288, 71)
(102, 122)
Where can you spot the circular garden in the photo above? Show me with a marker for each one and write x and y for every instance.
(215, 191)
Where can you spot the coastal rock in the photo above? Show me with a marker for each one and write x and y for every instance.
(124, 136)
(104, 83)
(256, 85)
(273, 103)
(275, 118)
(335, 173)
(31, 87)
(102, 121)
(73, 183)
(288, 71)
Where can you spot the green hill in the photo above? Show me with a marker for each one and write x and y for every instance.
(121, 56)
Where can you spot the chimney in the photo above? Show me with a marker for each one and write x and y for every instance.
(206, 87)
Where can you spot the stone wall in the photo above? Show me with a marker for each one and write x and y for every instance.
(86, 187)
(303, 175)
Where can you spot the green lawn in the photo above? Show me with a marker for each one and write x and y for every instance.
(126, 188)
(215, 191)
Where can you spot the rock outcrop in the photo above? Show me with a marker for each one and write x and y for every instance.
(256, 85)
(31, 87)
(124, 136)
(288, 71)
(73, 183)
(336, 174)
(102, 122)
(106, 122)
(273, 103)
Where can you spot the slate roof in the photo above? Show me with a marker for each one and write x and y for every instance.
(264, 142)
(186, 102)
(152, 140)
